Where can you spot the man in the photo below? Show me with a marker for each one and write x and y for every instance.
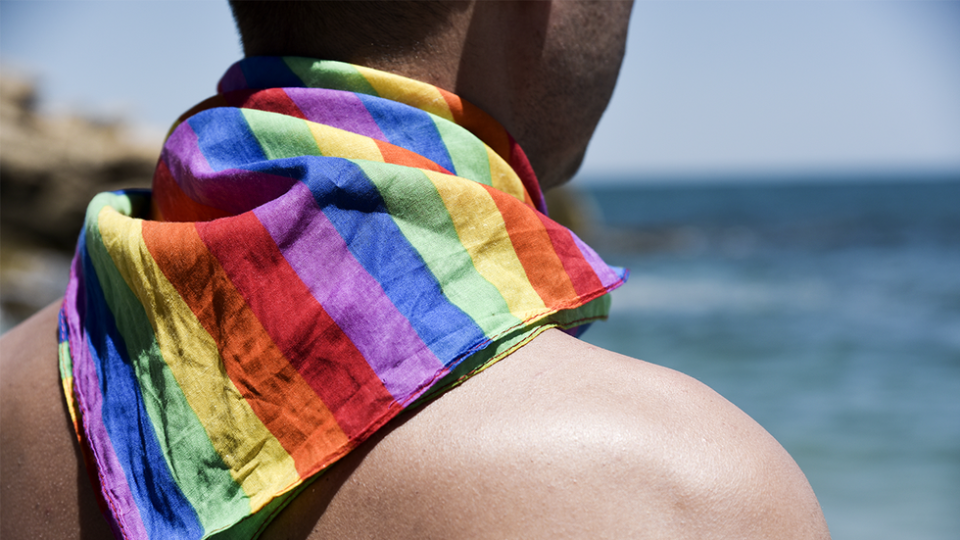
(560, 439)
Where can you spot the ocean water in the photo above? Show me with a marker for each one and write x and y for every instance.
(829, 312)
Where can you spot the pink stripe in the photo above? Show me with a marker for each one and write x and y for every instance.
(232, 190)
(336, 108)
(85, 376)
(353, 299)
(607, 276)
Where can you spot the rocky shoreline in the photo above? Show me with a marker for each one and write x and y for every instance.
(50, 168)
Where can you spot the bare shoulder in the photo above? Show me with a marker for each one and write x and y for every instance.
(561, 439)
(44, 490)
(564, 440)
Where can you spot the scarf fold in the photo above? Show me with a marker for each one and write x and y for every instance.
(325, 245)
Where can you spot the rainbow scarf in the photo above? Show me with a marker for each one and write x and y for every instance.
(325, 246)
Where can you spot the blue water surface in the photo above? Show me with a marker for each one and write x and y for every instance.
(829, 312)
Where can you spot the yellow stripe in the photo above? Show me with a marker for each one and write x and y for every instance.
(484, 235)
(66, 381)
(257, 461)
(67, 384)
(337, 142)
(425, 97)
(502, 176)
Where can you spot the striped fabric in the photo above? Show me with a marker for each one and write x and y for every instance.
(324, 246)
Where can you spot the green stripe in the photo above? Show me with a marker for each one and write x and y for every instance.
(466, 151)
(593, 311)
(66, 362)
(417, 209)
(281, 136)
(475, 362)
(329, 74)
(193, 462)
(254, 525)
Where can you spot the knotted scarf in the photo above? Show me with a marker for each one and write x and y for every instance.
(324, 246)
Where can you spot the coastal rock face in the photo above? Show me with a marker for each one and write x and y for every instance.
(50, 168)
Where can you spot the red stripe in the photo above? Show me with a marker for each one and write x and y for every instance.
(584, 278)
(174, 204)
(311, 340)
(283, 401)
(532, 246)
(532, 194)
(271, 100)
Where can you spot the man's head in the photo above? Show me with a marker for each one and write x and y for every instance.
(545, 70)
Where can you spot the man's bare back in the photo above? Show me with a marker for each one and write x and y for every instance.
(559, 440)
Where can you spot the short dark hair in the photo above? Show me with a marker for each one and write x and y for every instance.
(347, 31)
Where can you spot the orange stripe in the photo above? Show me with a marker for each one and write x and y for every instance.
(155, 213)
(583, 275)
(531, 242)
(174, 204)
(276, 392)
(481, 124)
(401, 156)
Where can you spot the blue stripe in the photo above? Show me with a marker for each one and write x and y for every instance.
(354, 207)
(268, 72)
(165, 512)
(62, 334)
(225, 138)
(409, 128)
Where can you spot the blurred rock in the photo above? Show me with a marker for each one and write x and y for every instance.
(50, 167)
(31, 277)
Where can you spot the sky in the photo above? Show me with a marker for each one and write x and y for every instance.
(709, 89)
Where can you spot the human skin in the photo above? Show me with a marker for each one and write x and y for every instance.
(559, 440)
(565, 440)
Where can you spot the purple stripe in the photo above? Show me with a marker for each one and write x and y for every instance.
(85, 376)
(232, 190)
(336, 108)
(607, 276)
(233, 79)
(352, 298)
